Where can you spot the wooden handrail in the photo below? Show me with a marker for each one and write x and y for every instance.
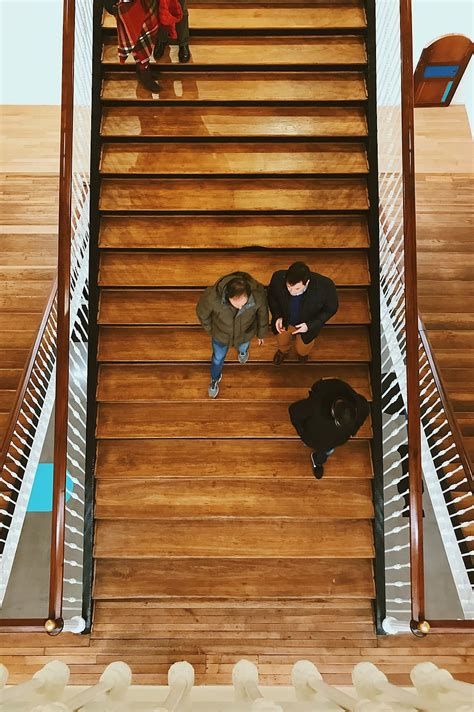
(55, 621)
(26, 376)
(411, 316)
(448, 409)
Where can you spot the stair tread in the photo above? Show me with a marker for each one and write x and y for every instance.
(245, 578)
(223, 87)
(216, 121)
(178, 306)
(235, 16)
(199, 269)
(130, 459)
(121, 383)
(255, 51)
(191, 344)
(229, 231)
(14, 357)
(211, 420)
(233, 195)
(232, 158)
(7, 399)
(236, 539)
(180, 498)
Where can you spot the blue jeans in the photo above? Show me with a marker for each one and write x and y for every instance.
(219, 352)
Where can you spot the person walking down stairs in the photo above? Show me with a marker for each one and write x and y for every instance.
(331, 414)
(138, 24)
(301, 302)
(182, 39)
(233, 311)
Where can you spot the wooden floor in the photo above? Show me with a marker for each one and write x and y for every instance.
(29, 185)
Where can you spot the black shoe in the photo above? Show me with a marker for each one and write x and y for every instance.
(145, 77)
(184, 55)
(318, 469)
(159, 51)
(279, 357)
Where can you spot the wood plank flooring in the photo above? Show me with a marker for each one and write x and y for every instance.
(27, 254)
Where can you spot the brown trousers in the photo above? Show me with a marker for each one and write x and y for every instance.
(286, 337)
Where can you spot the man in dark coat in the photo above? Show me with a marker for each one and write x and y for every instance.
(332, 413)
(233, 311)
(301, 302)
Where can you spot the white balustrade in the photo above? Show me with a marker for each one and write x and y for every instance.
(434, 690)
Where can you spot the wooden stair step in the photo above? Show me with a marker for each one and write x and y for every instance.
(271, 16)
(168, 306)
(278, 459)
(10, 377)
(206, 498)
(151, 383)
(199, 269)
(233, 538)
(35, 288)
(241, 121)
(464, 508)
(192, 344)
(22, 320)
(17, 340)
(244, 578)
(119, 383)
(256, 51)
(7, 399)
(233, 158)
(211, 420)
(233, 194)
(223, 87)
(258, 609)
(14, 357)
(230, 231)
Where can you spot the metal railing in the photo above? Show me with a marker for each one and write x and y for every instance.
(422, 448)
(56, 374)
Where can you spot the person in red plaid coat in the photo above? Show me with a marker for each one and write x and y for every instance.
(138, 24)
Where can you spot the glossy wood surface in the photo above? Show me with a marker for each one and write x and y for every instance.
(238, 16)
(222, 171)
(233, 232)
(234, 87)
(166, 306)
(247, 158)
(222, 51)
(242, 121)
(234, 194)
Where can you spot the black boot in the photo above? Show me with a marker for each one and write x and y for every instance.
(318, 469)
(184, 55)
(145, 77)
(159, 51)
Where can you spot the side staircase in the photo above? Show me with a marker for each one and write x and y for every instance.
(251, 157)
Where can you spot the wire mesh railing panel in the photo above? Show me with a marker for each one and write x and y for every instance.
(445, 482)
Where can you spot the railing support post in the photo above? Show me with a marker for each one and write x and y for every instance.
(411, 316)
(63, 307)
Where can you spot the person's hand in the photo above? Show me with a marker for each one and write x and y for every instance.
(279, 325)
(261, 342)
(301, 328)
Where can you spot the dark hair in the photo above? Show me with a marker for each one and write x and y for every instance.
(236, 287)
(297, 272)
(344, 413)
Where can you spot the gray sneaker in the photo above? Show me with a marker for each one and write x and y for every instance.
(213, 389)
(243, 358)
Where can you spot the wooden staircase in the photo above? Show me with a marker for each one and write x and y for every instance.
(251, 157)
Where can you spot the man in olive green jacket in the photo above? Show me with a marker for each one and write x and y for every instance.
(233, 311)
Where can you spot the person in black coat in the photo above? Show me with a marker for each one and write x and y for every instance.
(301, 302)
(331, 414)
